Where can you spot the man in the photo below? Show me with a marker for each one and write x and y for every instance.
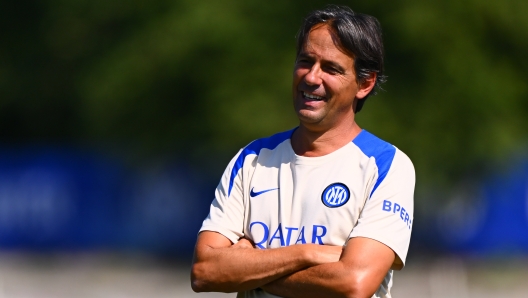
(322, 210)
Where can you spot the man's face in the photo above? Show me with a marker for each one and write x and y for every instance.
(324, 82)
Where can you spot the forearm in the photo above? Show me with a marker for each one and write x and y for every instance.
(326, 280)
(238, 269)
(359, 273)
(221, 266)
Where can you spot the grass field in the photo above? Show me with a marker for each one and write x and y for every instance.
(119, 276)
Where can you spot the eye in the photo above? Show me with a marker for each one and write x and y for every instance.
(332, 70)
(303, 63)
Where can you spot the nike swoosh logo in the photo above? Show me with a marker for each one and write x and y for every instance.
(258, 193)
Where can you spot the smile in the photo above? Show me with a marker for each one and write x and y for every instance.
(312, 96)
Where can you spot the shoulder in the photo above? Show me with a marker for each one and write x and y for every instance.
(375, 148)
(269, 143)
(372, 146)
(386, 156)
(255, 147)
(384, 152)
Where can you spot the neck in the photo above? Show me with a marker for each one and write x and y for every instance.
(312, 143)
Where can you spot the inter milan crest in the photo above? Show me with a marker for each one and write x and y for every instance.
(335, 195)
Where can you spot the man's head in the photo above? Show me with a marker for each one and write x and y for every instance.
(358, 35)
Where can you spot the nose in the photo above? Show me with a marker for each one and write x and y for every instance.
(313, 77)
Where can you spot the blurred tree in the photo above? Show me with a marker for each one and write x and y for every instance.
(166, 78)
(456, 96)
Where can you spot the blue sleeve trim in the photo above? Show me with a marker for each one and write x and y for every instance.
(254, 148)
(382, 152)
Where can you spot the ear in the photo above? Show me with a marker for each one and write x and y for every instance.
(366, 85)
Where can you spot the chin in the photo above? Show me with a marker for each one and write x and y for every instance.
(308, 118)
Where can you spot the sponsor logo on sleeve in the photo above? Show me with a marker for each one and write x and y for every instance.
(397, 209)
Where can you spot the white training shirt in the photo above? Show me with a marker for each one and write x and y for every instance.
(277, 198)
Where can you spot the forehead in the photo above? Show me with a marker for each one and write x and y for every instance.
(322, 40)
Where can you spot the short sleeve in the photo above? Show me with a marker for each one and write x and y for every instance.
(387, 216)
(226, 215)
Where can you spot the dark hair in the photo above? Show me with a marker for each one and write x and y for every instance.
(359, 35)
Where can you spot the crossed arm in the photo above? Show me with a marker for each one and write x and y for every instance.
(306, 270)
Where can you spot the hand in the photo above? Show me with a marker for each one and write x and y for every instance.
(243, 243)
(317, 254)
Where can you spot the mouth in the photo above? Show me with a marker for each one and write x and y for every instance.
(310, 96)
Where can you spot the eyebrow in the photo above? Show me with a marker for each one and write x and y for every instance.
(303, 55)
(338, 67)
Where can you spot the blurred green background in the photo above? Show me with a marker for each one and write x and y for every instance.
(159, 79)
